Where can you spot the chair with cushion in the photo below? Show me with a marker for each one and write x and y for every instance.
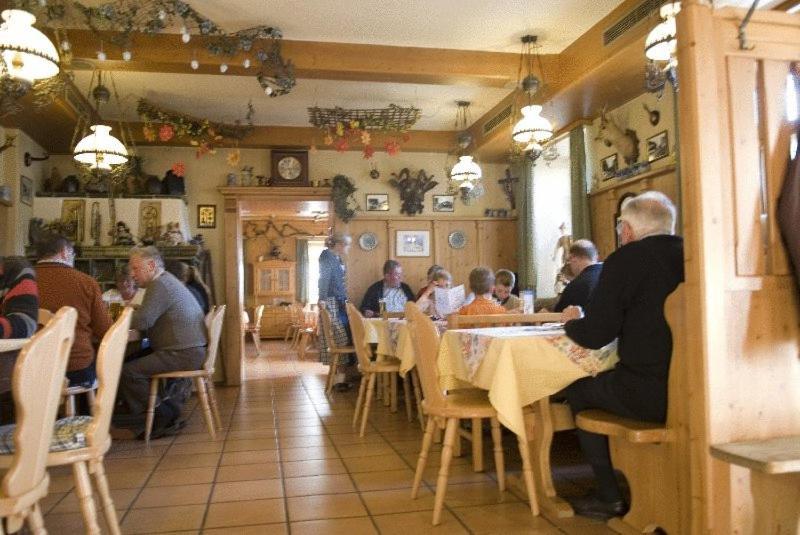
(645, 451)
(369, 368)
(446, 410)
(37, 381)
(203, 379)
(335, 352)
(253, 328)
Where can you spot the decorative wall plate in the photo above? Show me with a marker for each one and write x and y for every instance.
(368, 241)
(457, 239)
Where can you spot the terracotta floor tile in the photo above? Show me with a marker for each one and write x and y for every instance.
(271, 529)
(122, 499)
(70, 523)
(249, 457)
(419, 522)
(133, 464)
(313, 467)
(198, 460)
(192, 448)
(251, 444)
(462, 473)
(504, 518)
(382, 502)
(353, 438)
(63, 483)
(246, 472)
(324, 507)
(341, 526)
(260, 489)
(329, 484)
(375, 463)
(183, 476)
(299, 422)
(365, 450)
(245, 513)
(309, 441)
(471, 494)
(384, 479)
(124, 480)
(252, 433)
(309, 454)
(161, 519)
(173, 495)
(153, 451)
(302, 431)
(185, 438)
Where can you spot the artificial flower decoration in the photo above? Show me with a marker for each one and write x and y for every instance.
(234, 156)
(392, 147)
(366, 137)
(149, 134)
(166, 132)
(179, 168)
(369, 151)
(341, 144)
(328, 139)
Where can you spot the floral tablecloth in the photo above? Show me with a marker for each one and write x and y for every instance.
(517, 365)
(394, 340)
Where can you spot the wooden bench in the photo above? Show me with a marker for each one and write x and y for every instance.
(649, 454)
(774, 478)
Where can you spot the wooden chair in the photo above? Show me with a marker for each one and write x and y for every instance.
(253, 328)
(203, 379)
(369, 368)
(308, 330)
(297, 321)
(37, 381)
(335, 352)
(44, 317)
(446, 410)
(456, 321)
(84, 441)
(647, 452)
(386, 315)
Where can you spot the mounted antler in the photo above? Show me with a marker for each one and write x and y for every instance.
(627, 143)
(412, 190)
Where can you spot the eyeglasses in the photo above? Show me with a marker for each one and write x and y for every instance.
(620, 221)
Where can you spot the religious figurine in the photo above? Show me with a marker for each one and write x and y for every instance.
(173, 235)
(560, 254)
(122, 234)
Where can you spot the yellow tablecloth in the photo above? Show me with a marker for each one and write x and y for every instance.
(371, 328)
(394, 340)
(517, 365)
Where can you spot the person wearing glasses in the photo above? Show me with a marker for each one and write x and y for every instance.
(584, 267)
(627, 305)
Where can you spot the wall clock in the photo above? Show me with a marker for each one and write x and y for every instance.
(289, 168)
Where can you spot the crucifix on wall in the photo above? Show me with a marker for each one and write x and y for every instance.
(508, 187)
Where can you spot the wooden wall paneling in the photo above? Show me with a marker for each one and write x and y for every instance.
(497, 244)
(459, 262)
(365, 267)
(778, 131)
(414, 267)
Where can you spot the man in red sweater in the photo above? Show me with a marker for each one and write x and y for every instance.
(60, 284)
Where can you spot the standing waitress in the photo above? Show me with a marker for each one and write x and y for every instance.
(333, 295)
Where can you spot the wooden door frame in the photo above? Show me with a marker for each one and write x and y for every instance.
(234, 199)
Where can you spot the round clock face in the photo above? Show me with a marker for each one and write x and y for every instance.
(289, 168)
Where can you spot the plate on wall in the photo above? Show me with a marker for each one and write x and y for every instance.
(368, 241)
(457, 239)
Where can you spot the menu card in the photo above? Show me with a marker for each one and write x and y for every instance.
(448, 300)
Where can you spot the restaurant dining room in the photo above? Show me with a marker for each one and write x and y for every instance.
(357, 267)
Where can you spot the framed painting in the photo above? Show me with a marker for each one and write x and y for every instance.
(609, 165)
(206, 216)
(444, 203)
(413, 243)
(377, 202)
(657, 146)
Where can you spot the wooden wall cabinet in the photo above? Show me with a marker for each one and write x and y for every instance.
(274, 278)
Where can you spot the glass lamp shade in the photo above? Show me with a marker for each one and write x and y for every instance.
(100, 149)
(661, 42)
(532, 126)
(466, 170)
(28, 54)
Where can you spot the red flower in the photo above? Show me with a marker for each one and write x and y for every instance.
(369, 151)
(166, 132)
(178, 168)
(341, 144)
(406, 137)
(392, 147)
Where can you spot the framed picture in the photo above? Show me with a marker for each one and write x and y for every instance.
(289, 167)
(609, 166)
(444, 203)
(26, 190)
(377, 202)
(206, 216)
(413, 243)
(657, 146)
(73, 212)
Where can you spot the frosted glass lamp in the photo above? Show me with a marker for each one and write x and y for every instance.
(532, 126)
(662, 42)
(466, 170)
(100, 150)
(28, 54)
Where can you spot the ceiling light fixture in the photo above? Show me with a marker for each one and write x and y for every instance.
(532, 129)
(27, 54)
(660, 49)
(466, 174)
(100, 150)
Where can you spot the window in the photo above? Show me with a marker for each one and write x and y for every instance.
(315, 248)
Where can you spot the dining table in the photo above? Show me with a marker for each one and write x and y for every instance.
(521, 367)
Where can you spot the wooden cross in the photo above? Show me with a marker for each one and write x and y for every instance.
(508, 187)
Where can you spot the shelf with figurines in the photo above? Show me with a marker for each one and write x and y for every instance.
(136, 185)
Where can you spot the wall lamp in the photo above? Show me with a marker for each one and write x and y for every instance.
(30, 159)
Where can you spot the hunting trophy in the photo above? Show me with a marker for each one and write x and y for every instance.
(626, 142)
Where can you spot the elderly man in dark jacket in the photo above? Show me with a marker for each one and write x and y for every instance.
(628, 305)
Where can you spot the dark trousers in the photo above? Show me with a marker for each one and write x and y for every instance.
(597, 393)
(134, 384)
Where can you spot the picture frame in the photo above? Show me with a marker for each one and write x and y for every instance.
(206, 216)
(73, 214)
(26, 190)
(413, 243)
(658, 146)
(377, 202)
(609, 166)
(444, 203)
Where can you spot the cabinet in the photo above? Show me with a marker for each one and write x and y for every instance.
(275, 321)
(274, 279)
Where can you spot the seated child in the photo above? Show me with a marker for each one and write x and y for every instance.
(481, 282)
(504, 282)
(427, 298)
(429, 277)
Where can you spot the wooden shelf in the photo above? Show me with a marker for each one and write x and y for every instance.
(634, 179)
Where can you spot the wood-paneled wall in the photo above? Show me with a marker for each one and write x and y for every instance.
(604, 204)
(489, 242)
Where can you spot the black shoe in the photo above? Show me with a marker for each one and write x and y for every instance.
(594, 507)
(342, 387)
(165, 431)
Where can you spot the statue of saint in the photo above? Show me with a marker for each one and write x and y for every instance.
(560, 258)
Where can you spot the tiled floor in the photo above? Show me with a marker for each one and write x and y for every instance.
(288, 461)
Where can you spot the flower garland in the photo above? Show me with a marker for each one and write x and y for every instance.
(165, 125)
(346, 134)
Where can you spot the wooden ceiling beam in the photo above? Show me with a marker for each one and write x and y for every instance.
(312, 60)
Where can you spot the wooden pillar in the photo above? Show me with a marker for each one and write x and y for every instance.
(233, 335)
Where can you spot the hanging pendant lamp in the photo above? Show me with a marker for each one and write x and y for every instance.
(532, 128)
(100, 150)
(27, 53)
(662, 42)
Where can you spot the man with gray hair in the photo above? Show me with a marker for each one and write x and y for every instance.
(174, 323)
(628, 305)
(582, 262)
